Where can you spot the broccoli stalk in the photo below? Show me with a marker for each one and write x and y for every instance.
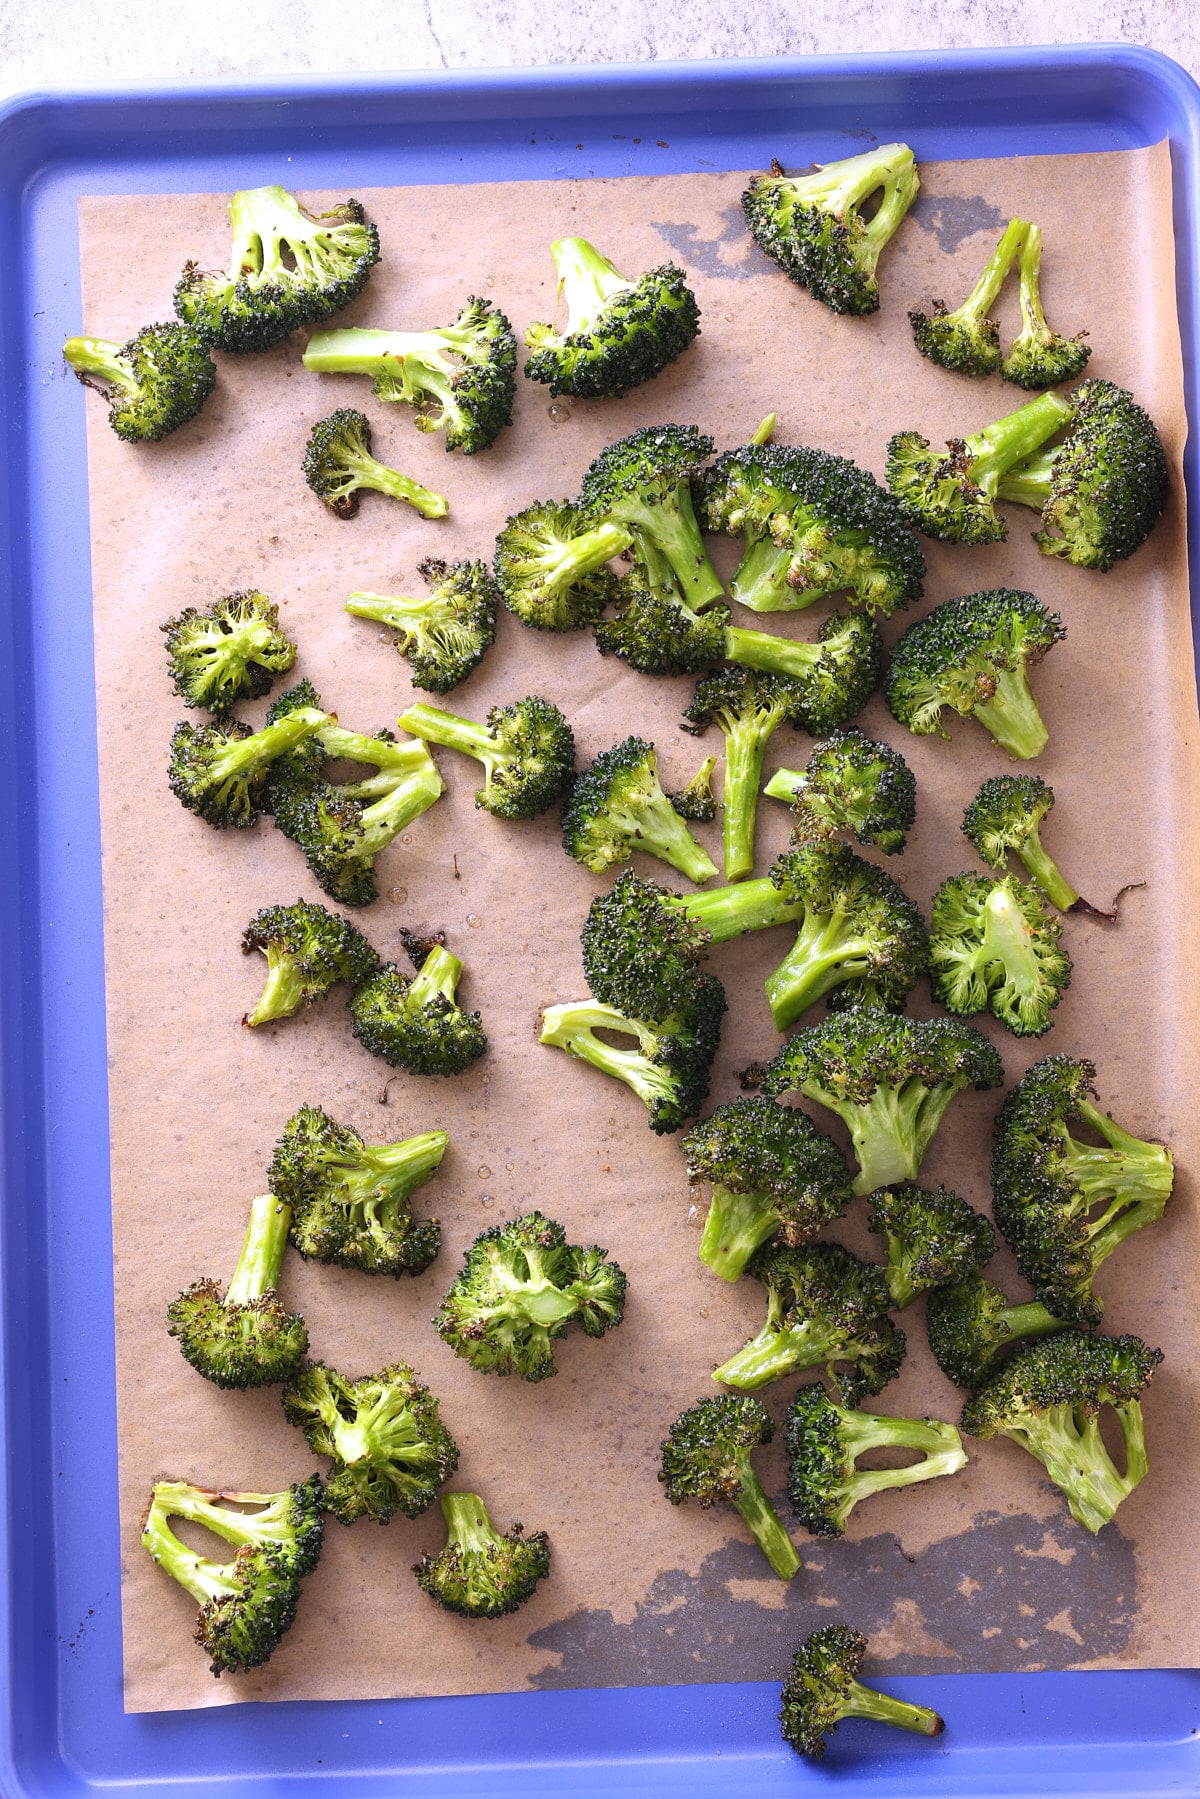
(949, 494)
(619, 333)
(1038, 356)
(244, 1337)
(444, 634)
(482, 1573)
(966, 339)
(153, 384)
(706, 1458)
(824, 1442)
(728, 912)
(338, 465)
(643, 483)
(527, 751)
(821, 1689)
(617, 806)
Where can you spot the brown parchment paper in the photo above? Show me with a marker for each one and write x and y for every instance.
(984, 1571)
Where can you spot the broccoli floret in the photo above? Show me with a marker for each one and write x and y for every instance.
(813, 225)
(824, 1442)
(308, 951)
(153, 384)
(1101, 491)
(1048, 1398)
(1038, 356)
(888, 1079)
(219, 770)
(338, 466)
(775, 1178)
(967, 340)
(641, 951)
(527, 750)
(931, 1237)
(1005, 815)
(822, 1688)
(444, 634)
(643, 483)
(706, 1458)
(950, 493)
(971, 1324)
(850, 783)
(242, 1336)
(618, 333)
(231, 652)
(697, 802)
(287, 268)
(974, 655)
(1064, 1204)
(552, 568)
(246, 1604)
(390, 1450)
(521, 1285)
(349, 1200)
(994, 947)
(482, 1573)
(813, 525)
(459, 379)
(415, 1022)
(617, 806)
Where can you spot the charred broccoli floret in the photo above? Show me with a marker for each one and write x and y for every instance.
(444, 634)
(931, 1237)
(966, 340)
(706, 1458)
(231, 652)
(338, 466)
(643, 483)
(242, 1336)
(971, 1324)
(617, 806)
(1039, 357)
(552, 568)
(950, 494)
(824, 1442)
(521, 1285)
(415, 1022)
(389, 1448)
(153, 384)
(888, 1079)
(850, 783)
(527, 750)
(618, 333)
(994, 947)
(642, 950)
(974, 655)
(1063, 1203)
(814, 226)
(1048, 1398)
(1005, 816)
(459, 379)
(308, 951)
(697, 802)
(481, 1572)
(219, 770)
(287, 267)
(822, 1688)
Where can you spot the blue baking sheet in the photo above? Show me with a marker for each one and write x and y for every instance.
(62, 1728)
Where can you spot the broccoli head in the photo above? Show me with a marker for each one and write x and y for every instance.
(552, 568)
(994, 947)
(1005, 816)
(706, 1459)
(697, 802)
(527, 751)
(308, 951)
(444, 634)
(231, 652)
(850, 783)
(966, 340)
(643, 483)
(931, 1237)
(1038, 356)
(822, 1688)
(641, 952)
(338, 466)
(415, 1022)
(153, 384)
(824, 1442)
(618, 333)
(389, 1448)
(950, 494)
(617, 806)
(482, 1573)
(242, 1336)
(219, 770)
(971, 1325)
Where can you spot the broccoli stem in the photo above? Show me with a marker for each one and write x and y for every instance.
(1034, 333)
(1031, 1320)
(659, 831)
(745, 747)
(765, 430)
(587, 281)
(859, 1701)
(1130, 1169)
(1012, 716)
(405, 800)
(737, 1225)
(760, 1515)
(573, 1028)
(981, 297)
(1007, 943)
(96, 356)
(235, 1527)
(1030, 481)
(435, 726)
(820, 959)
(390, 481)
(774, 655)
(939, 1444)
(578, 557)
(204, 1579)
(786, 784)
(359, 351)
(670, 532)
(437, 978)
(1046, 872)
(389, 1168)
(258, 1267)
(778, 1350)
(1070, 1447)
(467, 1523)
(728, 912)
(892, 1130)
(990, 453)
(283, 991)
(246, 754)
(760, 580)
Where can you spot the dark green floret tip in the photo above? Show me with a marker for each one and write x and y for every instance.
(641, 953)
(854, 784)
(618, 333)
(153, 384)
(384, 1435)
(931, 1236)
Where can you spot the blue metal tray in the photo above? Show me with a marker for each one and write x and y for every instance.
(62, 1727)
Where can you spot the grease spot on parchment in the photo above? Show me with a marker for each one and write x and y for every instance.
(952, 218)
(731, 255)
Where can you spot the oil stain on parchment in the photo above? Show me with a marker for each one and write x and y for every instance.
(729, 254)
(952, 218)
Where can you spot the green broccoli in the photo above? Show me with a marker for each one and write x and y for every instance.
(308, 951)
(966, 340)
(950, 494)
(697, 802)
(643, 483)
(822, 1688)
(617, 806)
(642, 950)
(482, 1573)
(824, 1442)
(994, 947)
(551, 565)
(287, 267)
(231, 652)
(888, 1079)
(349, 1201)
(153, 384)
(1048, 1398)
(1005, 816)
(247, 1603)
(1039, 357)
(521, 1285)
(618, 333)
(219, 770)
(971, 1324)
(1062, 1203)
(931, 1237)
(527, 751)
(775, 1178)
(390, 1450)
(415, 1022)
(974, 655)
(242, 1336)
(338, 466)
(850, 783)
(459, 379)
(706, 1458)
(814, 226)
(443, 634)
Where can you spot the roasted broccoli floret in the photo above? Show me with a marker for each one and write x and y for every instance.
(618, 333)
(219, 770)
(971, 1324)
(1103, 488)
(994, 947)
(642, 950)
(521, 1285)
(444, 634)
(1062, 1203)
(287, 267)
(813, 525)
(822, 1688)
(974, 655)
(1048, 1398)
(349, 1201)
(527, 750)
(389, 1448)
(950, 494)
(231, 652)
(338, 466)
(1038, 356)
(617, 806)
(482, 1573)
(415, 1022)
(552, 568)
(967, 340)
(931, 1237)
(459, 379)
(153, 384)
(775, 1178)
(308, 951)
(241, 1336)
(247, 1603)
(888, 1079)
(643, 483)
(850, 783)
(697, 802)
(706, 1458)
(814, 226)
(824, 1442)
(1005, 816)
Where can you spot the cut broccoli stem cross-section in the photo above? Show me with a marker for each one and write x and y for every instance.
(737, 1225)
(892, 1130)
(1070, 1446)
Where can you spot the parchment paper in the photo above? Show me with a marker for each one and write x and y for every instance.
(984, 1571)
